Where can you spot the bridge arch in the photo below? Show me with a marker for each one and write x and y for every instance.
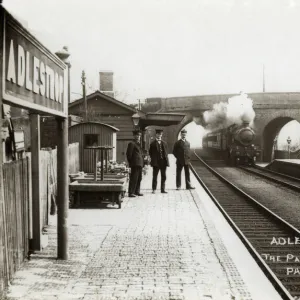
(172, 132)
(186, 120)
(267, 107)
(270, 132)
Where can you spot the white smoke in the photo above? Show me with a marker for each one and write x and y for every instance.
(237, 110)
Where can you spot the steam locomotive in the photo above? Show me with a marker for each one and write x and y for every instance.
(233, 144)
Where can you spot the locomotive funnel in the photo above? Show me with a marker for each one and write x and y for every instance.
(246, 123)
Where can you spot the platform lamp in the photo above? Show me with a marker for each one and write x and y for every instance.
(289, 146)
(63, 55)
(136, 120)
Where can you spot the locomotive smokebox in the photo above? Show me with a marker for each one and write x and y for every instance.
(245, 136)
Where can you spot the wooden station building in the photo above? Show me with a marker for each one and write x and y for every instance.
(105, 109)
(90, 134)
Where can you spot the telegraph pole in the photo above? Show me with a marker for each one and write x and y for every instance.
(263, 78)
(83, 78)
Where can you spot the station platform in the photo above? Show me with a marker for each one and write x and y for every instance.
(262, 164)
(158, 246)
(289, 167)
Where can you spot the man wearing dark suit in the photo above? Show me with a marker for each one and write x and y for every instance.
(135, 159)
(158, 152)
(182, 151)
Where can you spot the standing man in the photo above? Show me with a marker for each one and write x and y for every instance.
(135, 159)
(182, 151)
(158, 152)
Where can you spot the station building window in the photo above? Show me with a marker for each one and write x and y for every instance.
(90, 140)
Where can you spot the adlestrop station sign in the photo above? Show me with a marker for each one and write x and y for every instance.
(32, 76)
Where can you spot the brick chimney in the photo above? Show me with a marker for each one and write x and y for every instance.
(107, 83)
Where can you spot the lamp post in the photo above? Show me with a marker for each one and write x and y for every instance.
(275, 142)
(64, 55)
(274, 147)
(289, 148)
(62, 172)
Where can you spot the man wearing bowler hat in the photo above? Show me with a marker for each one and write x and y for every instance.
(135, 159)
(158, 152)
(182, 153)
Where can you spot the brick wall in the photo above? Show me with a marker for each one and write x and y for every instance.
(106, 81)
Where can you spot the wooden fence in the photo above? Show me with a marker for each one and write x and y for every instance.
(3, 248)
(49, 177)
(16, 216)
(15, 211)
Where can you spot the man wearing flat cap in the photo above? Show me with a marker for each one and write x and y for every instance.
(182, 153)
(158, 152)
(135, 159)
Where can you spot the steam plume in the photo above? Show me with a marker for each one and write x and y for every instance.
(237, 110)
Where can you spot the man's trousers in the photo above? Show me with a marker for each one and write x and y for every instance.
(179, 168)
(135, 180)
(162, 168)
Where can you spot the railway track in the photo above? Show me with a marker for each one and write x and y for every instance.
(273, 242)
(285, 180)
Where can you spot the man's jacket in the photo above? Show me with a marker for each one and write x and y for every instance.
(134, 155)
(182, 151)
(155, 153)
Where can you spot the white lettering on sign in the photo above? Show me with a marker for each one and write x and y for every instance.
(11, 72)
(28, 83)
(50, 83)
(61, 87)
(56, 85)
(21, 65)
(42, 79)
(37, 76)
(36, 64)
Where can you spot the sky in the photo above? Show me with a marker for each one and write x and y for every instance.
(194, 134)
(168, 48)
(290, 130)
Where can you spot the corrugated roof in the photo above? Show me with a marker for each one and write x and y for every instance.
(97, 123)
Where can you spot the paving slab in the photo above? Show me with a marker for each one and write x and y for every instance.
(158, 246)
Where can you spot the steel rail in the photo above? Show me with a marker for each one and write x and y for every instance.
(277, 173)
(282, 290)
(269, 177)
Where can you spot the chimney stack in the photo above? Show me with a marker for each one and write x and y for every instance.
(107, 83)
(246, 123)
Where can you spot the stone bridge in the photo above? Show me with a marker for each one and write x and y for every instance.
(273, 111)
